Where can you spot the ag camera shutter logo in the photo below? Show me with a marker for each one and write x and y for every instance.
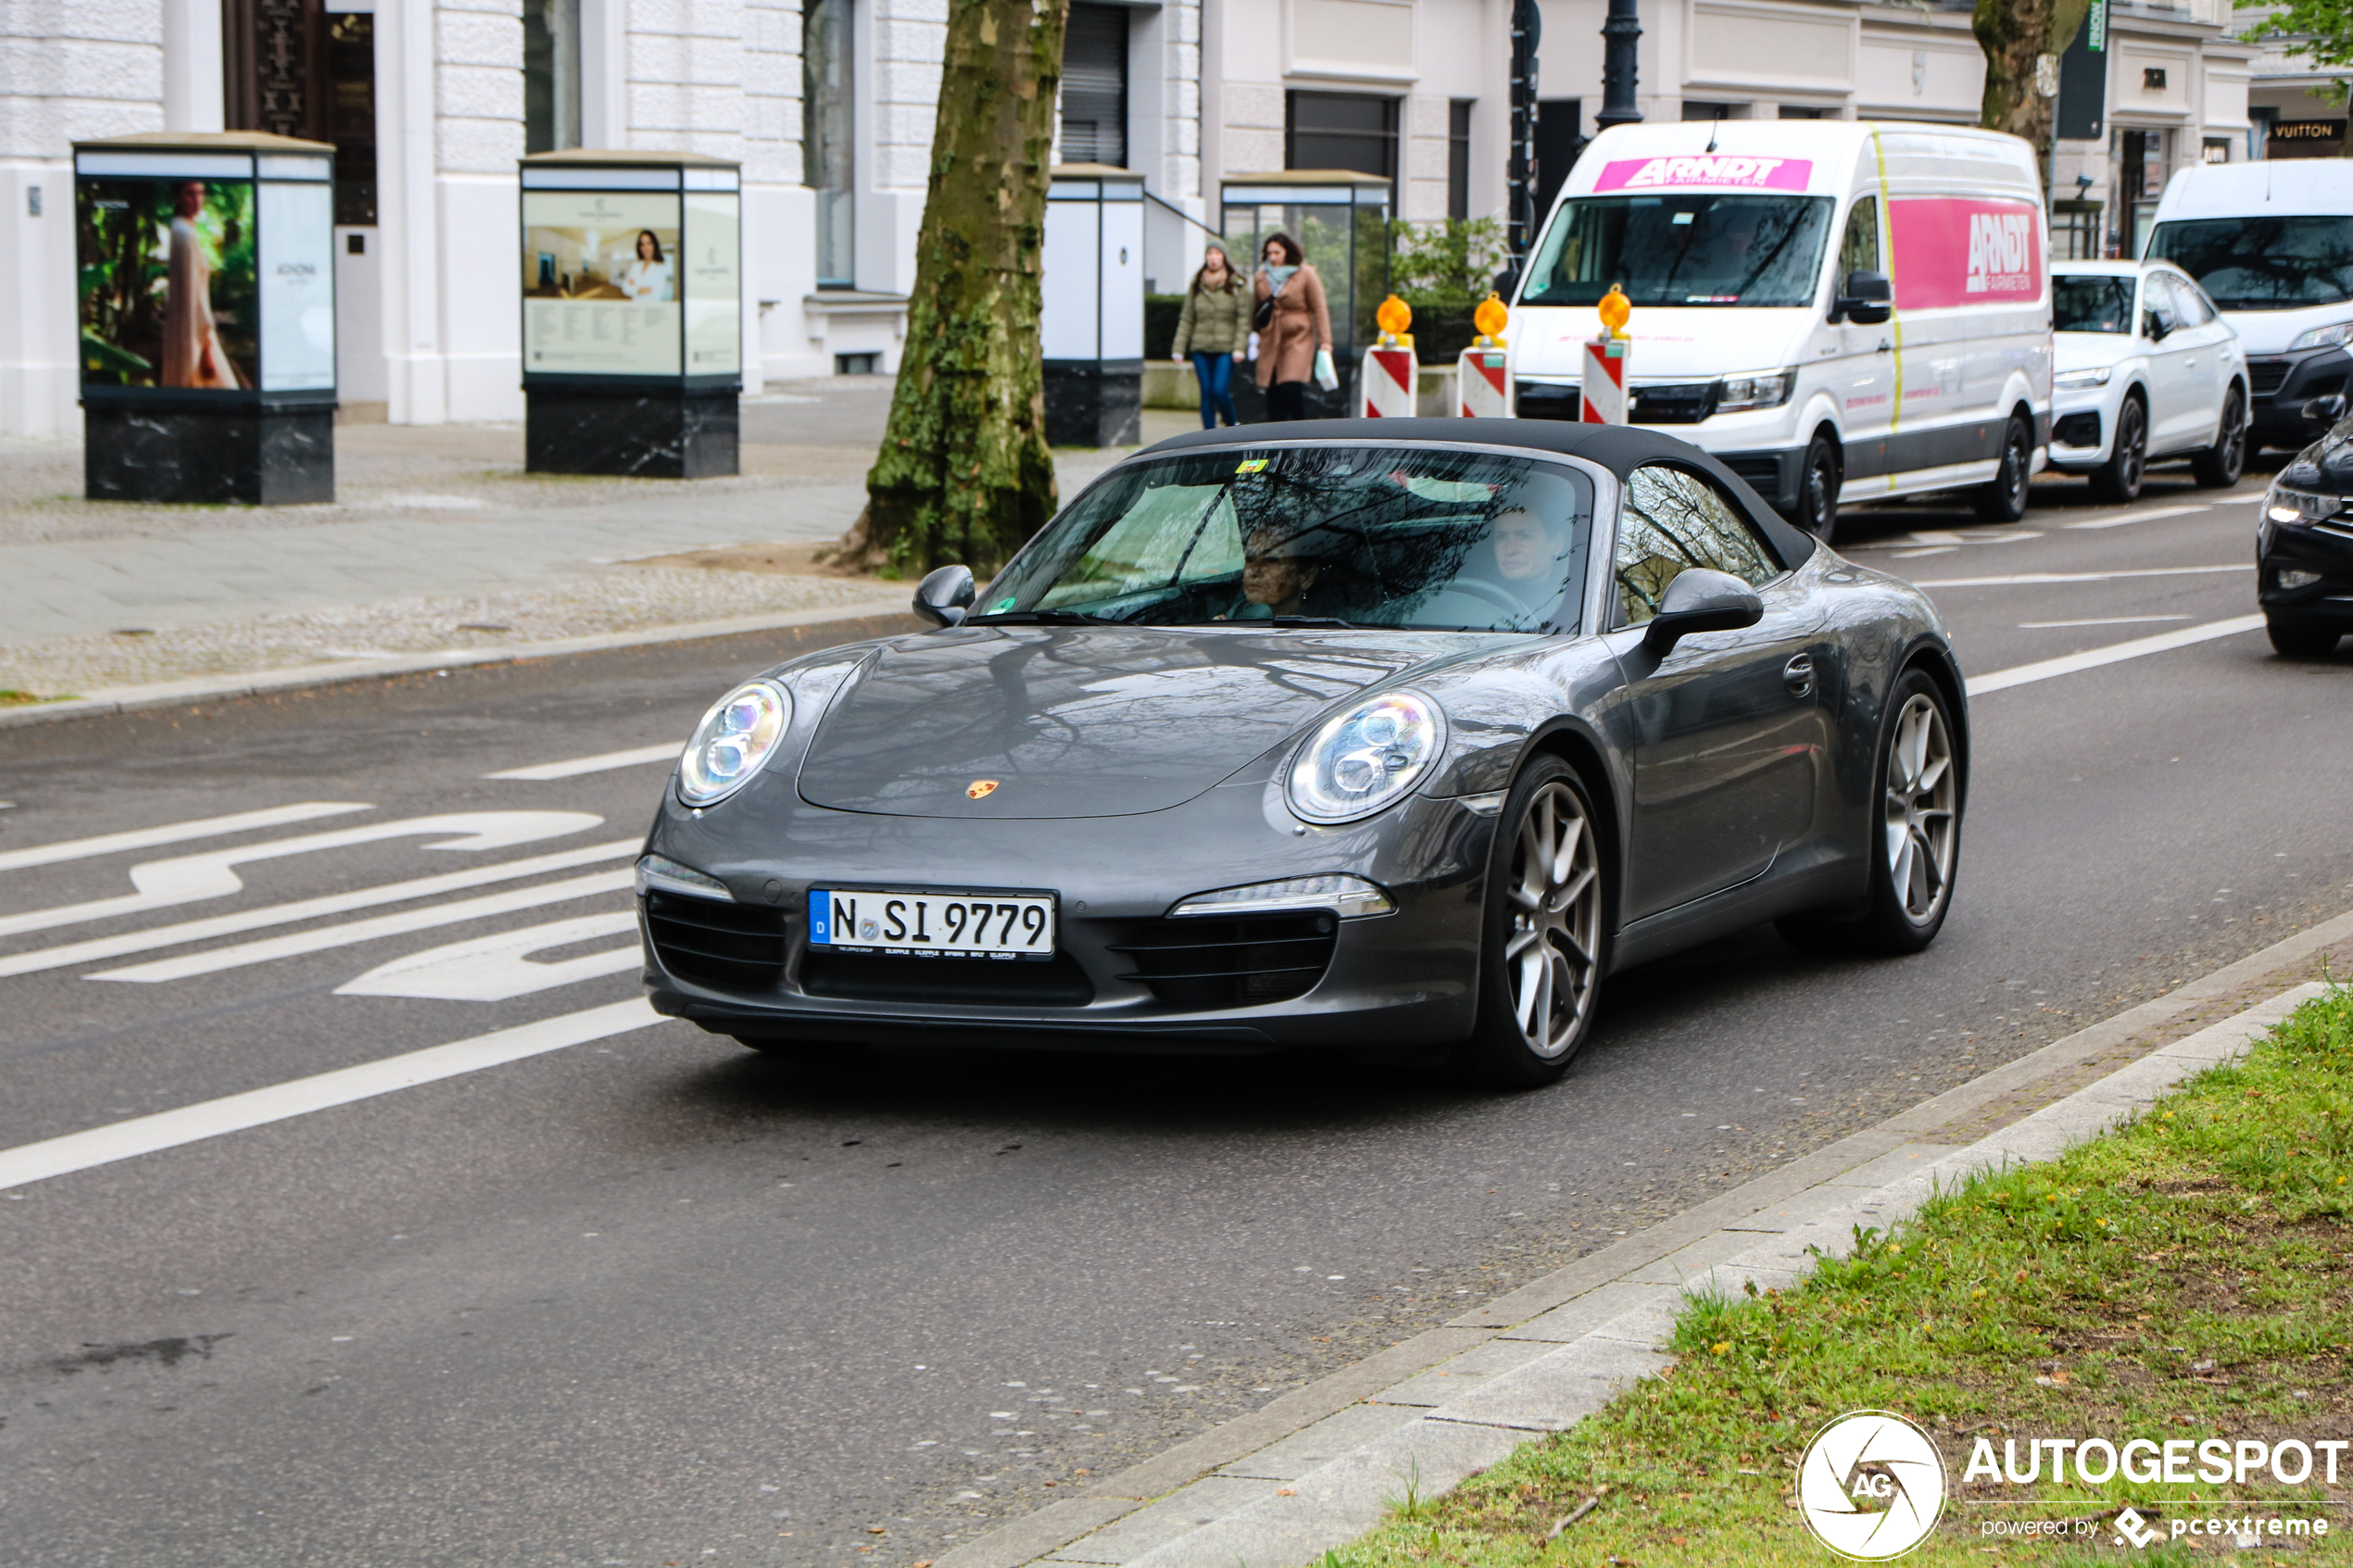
(1872, 1485)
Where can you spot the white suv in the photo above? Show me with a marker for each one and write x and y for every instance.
(2146, 369)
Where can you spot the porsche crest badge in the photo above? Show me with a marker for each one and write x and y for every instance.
(980, 789)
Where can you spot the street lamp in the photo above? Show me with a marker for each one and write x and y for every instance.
(1620, 35)
(1528, 28)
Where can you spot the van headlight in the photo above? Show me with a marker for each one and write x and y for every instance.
(2080, 381)
(1736, 394)
(734, 742)
(1366, 759)
(2324, 337)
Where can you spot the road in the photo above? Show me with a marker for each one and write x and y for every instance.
(651, 1298)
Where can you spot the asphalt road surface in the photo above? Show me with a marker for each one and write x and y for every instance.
(649, 1299)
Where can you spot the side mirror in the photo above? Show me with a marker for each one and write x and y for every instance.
(946, 597)
(1700, 600)
(1867, 300)
(2156, 327)
(2325, 410)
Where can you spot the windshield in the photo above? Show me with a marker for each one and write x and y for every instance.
(1684, 249)
(1322, 535)
(2091, 302)
(2262, 263)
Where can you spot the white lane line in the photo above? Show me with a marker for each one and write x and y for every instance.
(2032, 577)
(323, 937)
(2099, 621)
(2001, 679)
(174, 832)
(256, 1108)
(603, 762)
(2150, 516)
(1930, 550)
(98, 949)
(192, 879)
(497, 969)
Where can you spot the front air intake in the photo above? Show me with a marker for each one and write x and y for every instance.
(1202, 961)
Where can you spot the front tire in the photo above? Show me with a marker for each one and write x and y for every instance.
(2118, 479)
(2219, 467)
(2299, 639)
(1818, 485)
(1544, 935)
(2003, 499)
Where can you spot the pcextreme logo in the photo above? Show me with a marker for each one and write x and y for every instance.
(1872, 1485)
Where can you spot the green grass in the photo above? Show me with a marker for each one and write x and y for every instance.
(2081, 1297)
(11, 698)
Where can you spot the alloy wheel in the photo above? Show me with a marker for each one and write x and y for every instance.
(1555, 901)
(1922, 792)
(2132, 449)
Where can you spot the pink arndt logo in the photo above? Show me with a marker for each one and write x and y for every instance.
(1951, 251)
(1707, 169)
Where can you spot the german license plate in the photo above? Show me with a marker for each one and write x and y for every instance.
(945, 925)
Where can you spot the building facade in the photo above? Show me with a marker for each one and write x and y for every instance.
(828, 104)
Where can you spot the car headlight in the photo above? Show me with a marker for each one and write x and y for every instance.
(2299, 505)
(2291, 578)
(2324, 337)
(732, 741)
(1738, 394)
(2077, 381)
(660, 872)
(1350, 897)
(1365, 759)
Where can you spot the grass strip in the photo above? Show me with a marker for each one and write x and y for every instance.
(2183, 1276)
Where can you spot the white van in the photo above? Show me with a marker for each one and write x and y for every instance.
(2271, 244)
(1838, 311)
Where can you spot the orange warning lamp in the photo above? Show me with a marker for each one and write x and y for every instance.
(1615, 309)
(1394, 316)
(1489, 318)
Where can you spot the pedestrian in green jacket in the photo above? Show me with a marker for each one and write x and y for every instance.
(1214, 331)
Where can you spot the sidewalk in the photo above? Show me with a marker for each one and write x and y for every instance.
(438, 542)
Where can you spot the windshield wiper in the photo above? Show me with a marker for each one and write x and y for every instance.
(1043, 618)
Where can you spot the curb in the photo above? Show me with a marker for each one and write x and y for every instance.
(175, 694)
(1314, 1469)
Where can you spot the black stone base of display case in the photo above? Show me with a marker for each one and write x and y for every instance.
(669, 434)
(1094, 402)
(243, 455)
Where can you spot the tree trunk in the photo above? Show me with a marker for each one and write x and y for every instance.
(2014, 33)
(965, 473)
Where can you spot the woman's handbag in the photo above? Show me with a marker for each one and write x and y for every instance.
(1264, 317)
(1326, 376)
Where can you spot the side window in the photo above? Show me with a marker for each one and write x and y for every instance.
(2157, 305)
(1859, 250)
(1671, 521)
(2190, 300)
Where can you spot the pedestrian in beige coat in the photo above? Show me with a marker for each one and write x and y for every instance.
(1302, 325)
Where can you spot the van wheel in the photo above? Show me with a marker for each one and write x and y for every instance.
(1817, 483)
(2004, 499)
(2219, 467)
(2118, 479)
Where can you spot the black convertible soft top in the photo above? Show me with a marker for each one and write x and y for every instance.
(1619, 448)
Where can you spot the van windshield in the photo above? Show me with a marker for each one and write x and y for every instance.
(2262, 263)
(2091, 302)
(1689, 248)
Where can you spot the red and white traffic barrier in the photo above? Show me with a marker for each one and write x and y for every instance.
(1602, 395)
(1483, 388)
(1391, 375)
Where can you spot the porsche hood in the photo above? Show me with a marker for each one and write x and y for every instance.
(1020, 721)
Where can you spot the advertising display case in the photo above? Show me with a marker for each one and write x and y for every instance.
(632, 313)
(1341, 220)
(1090, 328)
(206, 318)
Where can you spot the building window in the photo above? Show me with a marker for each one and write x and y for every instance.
(1094, 89)
(1352, 130)
(1696, 108)
(550, 75)
(1803, 112)
(351, 115)
(826, 137)
(1458, 116)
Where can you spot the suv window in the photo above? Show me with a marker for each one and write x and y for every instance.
(2190, 300)
(1671, 521)
(2158, 306)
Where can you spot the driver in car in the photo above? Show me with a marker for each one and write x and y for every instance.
(1277, 570)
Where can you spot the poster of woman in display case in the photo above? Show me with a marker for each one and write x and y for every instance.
(169, 285)
(600, 282)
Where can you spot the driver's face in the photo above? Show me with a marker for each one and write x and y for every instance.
(1523, 547)
(1280, 582)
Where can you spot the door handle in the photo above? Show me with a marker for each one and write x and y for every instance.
(1798, 676)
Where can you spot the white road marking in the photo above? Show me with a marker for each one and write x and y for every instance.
(497, 969)
(98, 949)
(2150, 516)
(322, 938)
(1930, 550)
(189, 879)
(2101, 621)
(603, 762)
(2092, 659)
(256, 1108)
(2033, 577)
(174, 832)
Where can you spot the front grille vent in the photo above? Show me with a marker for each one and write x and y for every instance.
(1685, 403)
(1762, 469)
(2269, 375)
(1544, 400)
(1205, 962)
(1057, 982)
(727, 946)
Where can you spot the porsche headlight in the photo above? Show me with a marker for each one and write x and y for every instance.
(732, 741)
(1366, 759)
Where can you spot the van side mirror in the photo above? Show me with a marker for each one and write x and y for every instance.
(1866, 300)
(1700, 600)
(946, 597)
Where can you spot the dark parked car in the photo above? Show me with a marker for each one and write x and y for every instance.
(2304, 548)
(1360, 735)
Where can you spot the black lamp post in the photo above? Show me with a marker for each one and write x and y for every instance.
(1620, 35)
(1528, 28)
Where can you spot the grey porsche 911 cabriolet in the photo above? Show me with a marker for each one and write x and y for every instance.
(1354, 735)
